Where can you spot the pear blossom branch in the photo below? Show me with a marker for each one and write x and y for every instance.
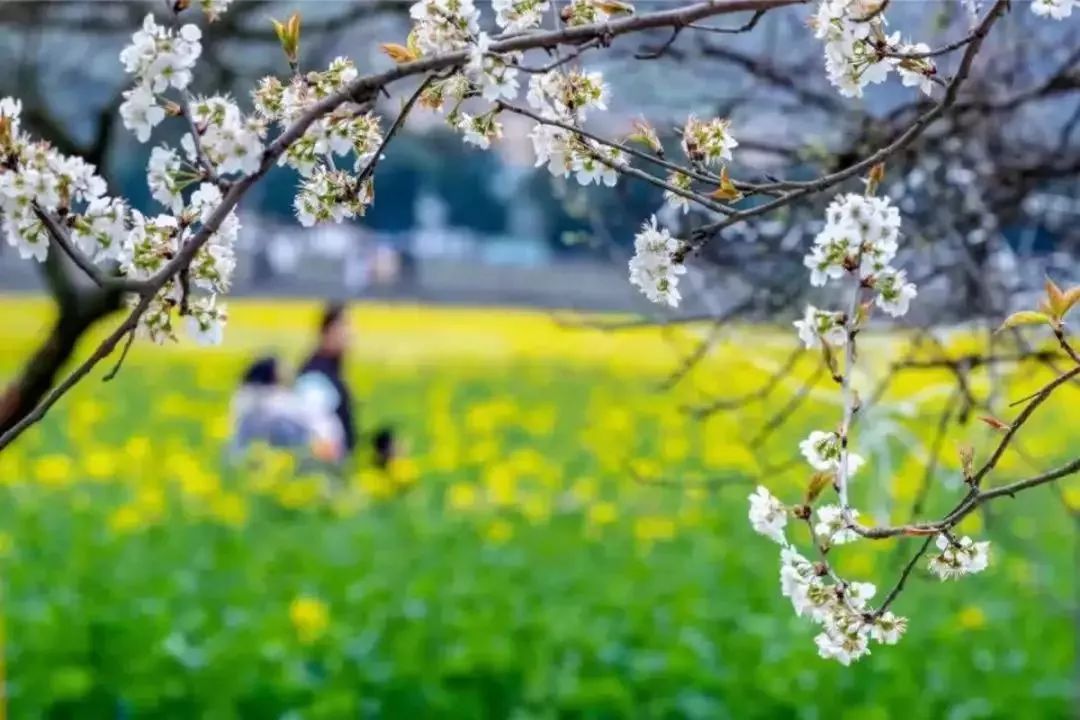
(976, 496)
(561, 60)
(851, 328)
(943, 50)
(59, 236)
(362, 89)
(205, 165)
(797, 189)
(61, 239)
(703, 177)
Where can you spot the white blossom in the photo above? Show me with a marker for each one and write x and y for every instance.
(149, 243)
(708, 142)
(163, 175)
(140, 112)
(596, 164)
(100, 231)
(894, 292)
(331, 195)
(841, 646)
(683, 182)
(518, 15)
(214, 9)
(552, 148)
(206, 320)
(444, 25)
(768, 516)
(888, 628)
(833, 526)
(916, 72)
(861, 233)
(480, 130)
(823, 450)
(817, 326)
(858, 594)
(231, 142)
(568, 95)
(494, 74)
(159, 57)
(26, 233)
(963, 557)
(11, 111)
(653, 268)
(1056, 9)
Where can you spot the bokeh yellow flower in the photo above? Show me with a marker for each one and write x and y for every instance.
(54, 470)
(499, 531)
(310, 618)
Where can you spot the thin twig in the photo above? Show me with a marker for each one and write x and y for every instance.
(399, 122)
(123, 356)
(902, 580)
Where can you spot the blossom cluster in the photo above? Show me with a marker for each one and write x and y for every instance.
(519, 15)
(859, 240)
(326, 193)
(563, 98)
(959, 557)
(159, 58)
(495, 75)
(443, 25)
(567, 96)
(841, 607)
(652, 267)
(707, 142)
(824, 450)
(858, 52)
(232, 142)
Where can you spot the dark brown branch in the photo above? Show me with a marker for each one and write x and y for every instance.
(76, 313)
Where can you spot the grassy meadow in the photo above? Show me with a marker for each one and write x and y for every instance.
(563, 539)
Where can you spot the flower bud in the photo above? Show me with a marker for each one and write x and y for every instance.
(288, 34)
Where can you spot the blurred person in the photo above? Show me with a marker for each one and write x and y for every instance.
(321, 384)
(265, 409)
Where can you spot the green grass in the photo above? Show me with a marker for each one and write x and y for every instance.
(145, 578)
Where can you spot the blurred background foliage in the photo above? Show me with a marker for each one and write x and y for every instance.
(562, 539)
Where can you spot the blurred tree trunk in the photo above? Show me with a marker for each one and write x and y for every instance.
(77, 309)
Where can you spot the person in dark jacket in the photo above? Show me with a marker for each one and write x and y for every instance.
(320, 379)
